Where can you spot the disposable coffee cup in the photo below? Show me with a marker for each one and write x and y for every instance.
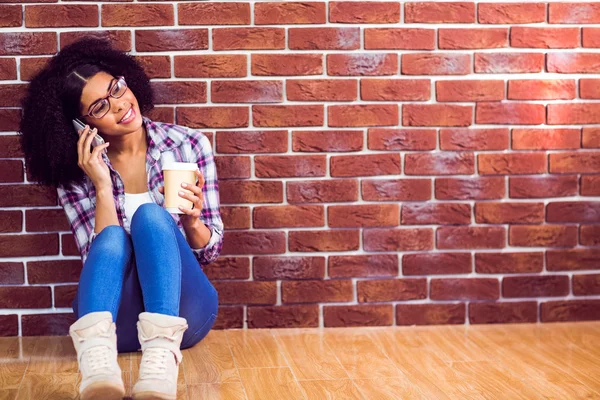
(174, 174)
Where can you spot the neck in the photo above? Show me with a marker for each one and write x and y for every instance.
(130, 145)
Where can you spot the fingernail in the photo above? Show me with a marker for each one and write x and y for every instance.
(184, 185)
(181, 193)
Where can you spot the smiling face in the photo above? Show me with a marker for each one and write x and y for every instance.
(119, 120)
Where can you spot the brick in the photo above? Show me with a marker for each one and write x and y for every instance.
(433, 12)
(324, 38)
(289, 115)
(543, 236)
(436, 214)
(238, 142)
(286, 64)
(362, 64)
(11, 171)
(9, 325)
(246, 91)
(586, 285)
(535, 286)
(211, 66)
(46, 324)
(363, 266)
(544, 38)
(574, 162)
(236, 217)
(589, 89)
(437, 263)
(155, 66)
(53, 271)
(362, 115)
(12, 273)
(213, 117)
(589, 235)
(364, 215)
(503, 313)
(574, 310)
(343, 190)
(580, 113)
(590, 37)
(483, 188)
(509, 263)
(508, 63)
(167, 114)
(462, 163)
(510, 113)
(232, 192)
(436, 64)
(542, 187)
(470, 237)
(590, 185)
(395, 89)
(575, 13)
(228, 268)
(321, 89)
(461, 139)
(64, 295)
(509, 213)
(295, 316)
(179, 92)
(8, 69)
(365, 165)
(214, 13)
(474, 38)
(171, 39)
(328, 291)
(248, 39)
(9, 121)
(571, 63)
(255, 242)
(274, 268)
(288, 216)
(405, 239)
(61, 16)
(399, 39)
(27, 43)
(11, 16)
(137, 15)
(364, 12)
(511, 13)
(29, 245)
(68, 245)
(436, 115)
(360, 315)
(287, 12)
(25, 297)
(310, 241)
(289, 166)
(573, 259)
(542, 89)
(246, 292)
(465, 289)
(430, 314)
(470, 90)
(230, 317)
(233, 167)
(511, 163)
(11, 95)
(46, 220)
(374, 290)
(396, 189)
(119, 39)
(327, 141)
(573, 211)
(545, 139)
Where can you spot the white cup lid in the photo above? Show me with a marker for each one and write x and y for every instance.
(180, 166)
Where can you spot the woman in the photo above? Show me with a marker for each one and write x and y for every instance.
(141, 264)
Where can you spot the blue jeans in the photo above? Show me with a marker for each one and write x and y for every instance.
(152, 270)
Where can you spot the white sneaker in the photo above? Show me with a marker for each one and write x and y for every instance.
(160, 336)
(95, 340)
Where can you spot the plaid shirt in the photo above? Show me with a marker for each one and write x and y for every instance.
(166, 142)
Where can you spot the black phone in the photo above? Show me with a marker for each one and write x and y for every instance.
(78, 125)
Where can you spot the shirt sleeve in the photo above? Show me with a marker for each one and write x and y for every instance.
(81, 215)
(210, 215)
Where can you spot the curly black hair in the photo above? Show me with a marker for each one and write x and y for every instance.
(53, 97)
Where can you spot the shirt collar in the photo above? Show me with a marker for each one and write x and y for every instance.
(159, 138)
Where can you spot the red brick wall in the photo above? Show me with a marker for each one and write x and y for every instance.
(380, 162)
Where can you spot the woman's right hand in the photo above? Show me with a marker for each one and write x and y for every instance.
(91, 162)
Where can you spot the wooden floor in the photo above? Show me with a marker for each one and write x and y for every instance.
(548, 361)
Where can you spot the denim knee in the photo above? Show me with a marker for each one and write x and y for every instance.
(149, 212)
(110, 238)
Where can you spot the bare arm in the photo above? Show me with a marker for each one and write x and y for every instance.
(106, 212)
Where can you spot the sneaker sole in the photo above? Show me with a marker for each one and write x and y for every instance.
(153, 396)
(103, 391)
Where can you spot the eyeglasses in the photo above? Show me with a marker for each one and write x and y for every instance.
(100, 108)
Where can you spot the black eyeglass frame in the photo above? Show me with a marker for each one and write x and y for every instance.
(116, 80)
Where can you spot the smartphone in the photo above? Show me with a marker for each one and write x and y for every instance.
(78, 125)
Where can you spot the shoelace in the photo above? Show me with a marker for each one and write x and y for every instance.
(97, 358)
(154, 360)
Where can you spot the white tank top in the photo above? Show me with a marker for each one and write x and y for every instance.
(132, 202)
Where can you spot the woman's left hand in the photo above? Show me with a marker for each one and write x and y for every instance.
(191, 216)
